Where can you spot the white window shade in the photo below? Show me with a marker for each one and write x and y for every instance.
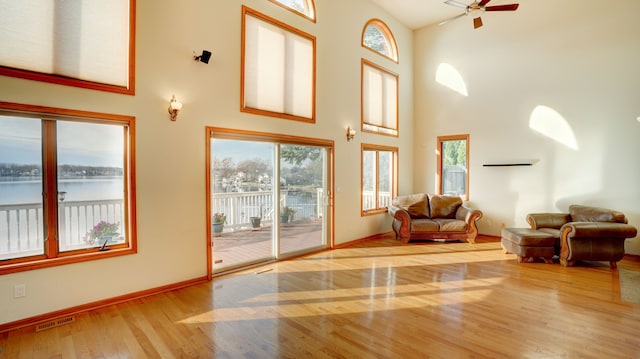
(278, 70)
(379, 100)
(390, 99)
(373, 93)
(86, 40)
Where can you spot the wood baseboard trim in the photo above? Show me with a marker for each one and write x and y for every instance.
(35, 320)
(480, 239)
(364, 239)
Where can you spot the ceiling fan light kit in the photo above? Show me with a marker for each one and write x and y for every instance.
(476, 9)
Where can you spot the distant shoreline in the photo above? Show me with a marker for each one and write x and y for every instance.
(64, 177)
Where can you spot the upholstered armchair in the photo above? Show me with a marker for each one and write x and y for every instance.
(586, 233)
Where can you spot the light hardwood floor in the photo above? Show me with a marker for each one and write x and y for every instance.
(376, 299)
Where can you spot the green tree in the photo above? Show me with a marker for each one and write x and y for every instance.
(375, 40)
(297, 155)
(455, 152)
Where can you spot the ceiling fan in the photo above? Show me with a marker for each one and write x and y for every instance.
(476, 9)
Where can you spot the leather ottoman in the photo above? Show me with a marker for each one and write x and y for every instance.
(528, 244)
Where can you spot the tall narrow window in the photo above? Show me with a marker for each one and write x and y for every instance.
(278, 69)
(453, 165)
(87, 44)
(379, 177)
(66, 186)
(377, 37)
(379, 100)
(306, 8)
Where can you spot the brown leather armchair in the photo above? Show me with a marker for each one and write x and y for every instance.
(586, 233)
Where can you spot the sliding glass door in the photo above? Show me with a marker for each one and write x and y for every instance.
(241, 194)
(269, 198)
(303, 198)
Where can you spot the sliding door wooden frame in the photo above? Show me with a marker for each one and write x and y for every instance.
(245, 135)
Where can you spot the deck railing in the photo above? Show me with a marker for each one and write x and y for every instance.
(22, 225)
(77, 218)
(21, 229)
(369, 199)
(239, 207)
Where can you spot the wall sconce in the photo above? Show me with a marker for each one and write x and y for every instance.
(174, 108)
(206, 55)
(350, 133)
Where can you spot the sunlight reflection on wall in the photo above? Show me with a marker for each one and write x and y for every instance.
(448, 76)
(553, 125)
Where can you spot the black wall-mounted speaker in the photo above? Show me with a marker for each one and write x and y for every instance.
(206, 55)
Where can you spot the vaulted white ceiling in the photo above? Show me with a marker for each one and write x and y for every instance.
(419, 13)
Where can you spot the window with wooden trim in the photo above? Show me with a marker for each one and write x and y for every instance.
(453, 165)
(278, 69)
(305, 8)
(89, 44)
(378, 38)
(67, 186)
(379, 100)
(379, 178)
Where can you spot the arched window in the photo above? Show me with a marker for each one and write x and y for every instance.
(306, 8)
(378, 37)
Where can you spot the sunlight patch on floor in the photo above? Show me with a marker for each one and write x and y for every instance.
(351, 301)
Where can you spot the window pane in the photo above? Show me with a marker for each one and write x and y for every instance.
(385, 178)
(375, 40)
(369, 180)
(373, 92)
(304, 7)
(379, 169)
(87, 40)
(264, 66)
(454, 170)
(299, 79)
(21, 215)
(242, 191)
(278, 69)
(378, 37)
(390, 102)
(379, 100)
(91, 206)
(303, 198)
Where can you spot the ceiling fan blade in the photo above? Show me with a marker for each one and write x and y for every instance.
(483, 2)
(477, 22)
(509, 7)
(456, 3)
(453, 18)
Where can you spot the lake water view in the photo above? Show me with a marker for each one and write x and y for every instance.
(19, 190)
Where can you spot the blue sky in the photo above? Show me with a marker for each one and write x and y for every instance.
(242, 150)
(78, 143)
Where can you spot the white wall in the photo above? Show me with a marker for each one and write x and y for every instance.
(171, 155)
(579, 58)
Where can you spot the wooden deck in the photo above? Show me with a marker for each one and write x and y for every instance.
(234, 248)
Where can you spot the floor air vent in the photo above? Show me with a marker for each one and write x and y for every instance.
(54, 323)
